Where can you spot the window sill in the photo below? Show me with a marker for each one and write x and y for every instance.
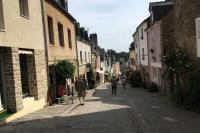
(24, 17)
(2, 30)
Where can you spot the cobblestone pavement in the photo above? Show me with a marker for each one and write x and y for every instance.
(130, 111)
(102, 113)
(159, 115)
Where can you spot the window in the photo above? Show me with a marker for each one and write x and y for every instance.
(81, 57)
(23, 5)
(89, 56)
(61, 34)
(51, 32)
(62, 2)
(85, 57)
(143, 56)
(198, 36)
(2, 26)
(154, 72)
(142, 34)
(69, 38)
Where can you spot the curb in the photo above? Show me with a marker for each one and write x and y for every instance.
(73, 107)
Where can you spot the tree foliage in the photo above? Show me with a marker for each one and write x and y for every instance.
(64, 69)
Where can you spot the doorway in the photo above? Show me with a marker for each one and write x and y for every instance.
(2, 93)
(24, 75)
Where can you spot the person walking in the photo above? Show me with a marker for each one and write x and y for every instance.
(123, 81)
(114, 85)
(80, 88)
(68, 86)
(85, 81)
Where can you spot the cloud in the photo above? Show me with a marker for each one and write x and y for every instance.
(113, 20)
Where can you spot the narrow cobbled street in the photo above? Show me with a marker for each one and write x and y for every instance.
(130, 111)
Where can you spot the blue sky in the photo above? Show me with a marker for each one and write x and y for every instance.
(113, 20)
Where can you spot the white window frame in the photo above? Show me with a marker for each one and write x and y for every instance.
(198, 36)
(2, 25)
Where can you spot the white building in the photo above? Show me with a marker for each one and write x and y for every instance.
(83, 50)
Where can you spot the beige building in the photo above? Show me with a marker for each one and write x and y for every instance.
(132, 58)
(83, 49)
(23, 76)
(60, 35)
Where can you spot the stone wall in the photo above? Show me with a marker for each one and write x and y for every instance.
(41, 74)
(186, 11)
(168, 44)
(12, 77)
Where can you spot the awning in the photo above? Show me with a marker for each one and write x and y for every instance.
(25, 52)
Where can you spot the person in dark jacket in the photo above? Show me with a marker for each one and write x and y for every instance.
(80, 88)
(114, 85)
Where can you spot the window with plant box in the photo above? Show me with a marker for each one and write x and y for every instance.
(23, 5)
(2, 26)
(61, 34)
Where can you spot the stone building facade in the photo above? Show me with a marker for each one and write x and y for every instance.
(60, 37)
(23, 77)
(186, 14)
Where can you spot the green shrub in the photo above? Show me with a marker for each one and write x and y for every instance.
(153, 88)
(135, 79)
(64, 69)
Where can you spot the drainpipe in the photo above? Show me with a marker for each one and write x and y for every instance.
(45, 43)
(76, 48)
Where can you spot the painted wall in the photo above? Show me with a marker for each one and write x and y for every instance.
(132, 60)
(137, 48)
(154, 42)
(84, 47)
(143, 44)
(19, 31)
(55, 51)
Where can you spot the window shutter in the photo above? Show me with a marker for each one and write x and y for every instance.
(198, 36)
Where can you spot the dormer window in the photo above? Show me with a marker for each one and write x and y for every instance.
(64, 4)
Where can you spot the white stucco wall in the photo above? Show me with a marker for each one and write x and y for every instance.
(143, 44)
(137, 47)
(20, 31)
(154, 42)
(84, 48)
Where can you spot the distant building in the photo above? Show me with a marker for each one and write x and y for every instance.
(142, 50)
(132, 57)
(83, 49)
